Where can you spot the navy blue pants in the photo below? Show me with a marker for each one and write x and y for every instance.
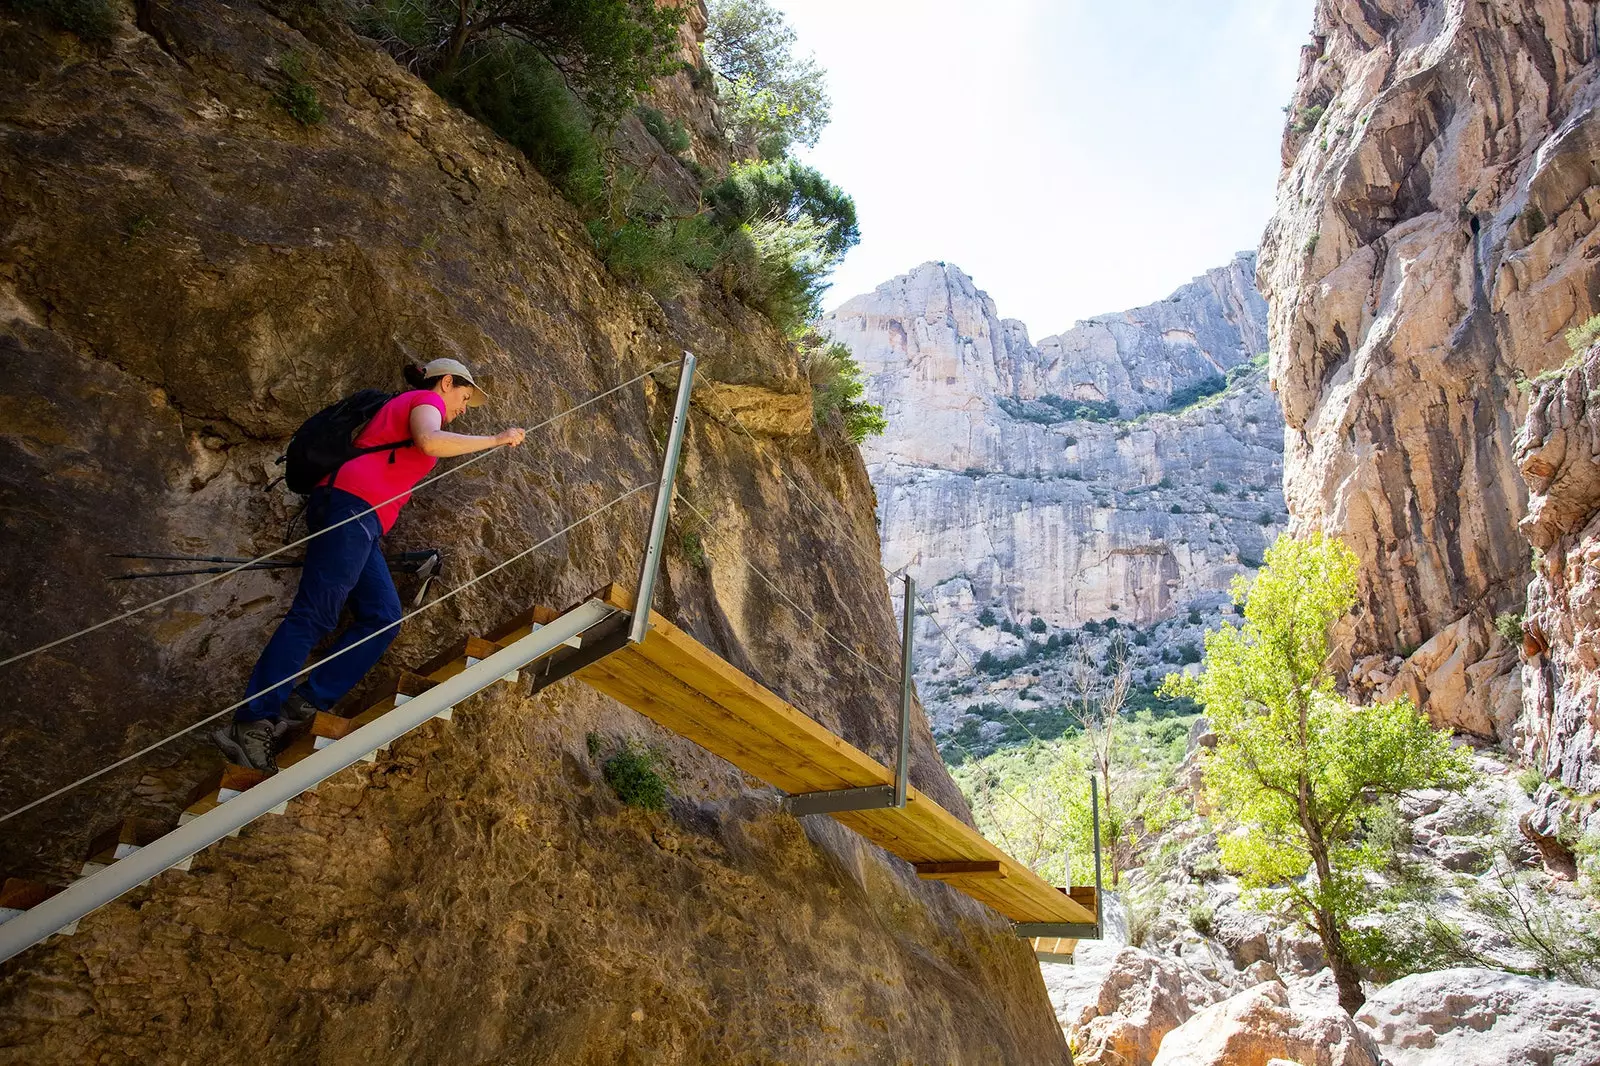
(344, 567)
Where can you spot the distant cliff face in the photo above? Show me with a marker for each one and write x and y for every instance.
(1000, 497)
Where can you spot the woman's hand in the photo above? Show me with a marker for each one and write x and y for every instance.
(511, 437)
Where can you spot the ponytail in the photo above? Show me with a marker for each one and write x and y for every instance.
(414, 378)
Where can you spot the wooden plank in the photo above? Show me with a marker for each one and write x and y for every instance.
(130, 832)
(19, 893)
(449, 663)
(944, 871)
(673, 705)
(693, 663)
(521, 625)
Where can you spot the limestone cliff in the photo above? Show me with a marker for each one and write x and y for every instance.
(186, 273)
(1001, 499)
(1559, 455)
(1432, 240)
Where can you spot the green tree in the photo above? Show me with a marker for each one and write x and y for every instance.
(1295, 766)
(1096, 703)
(771, 99)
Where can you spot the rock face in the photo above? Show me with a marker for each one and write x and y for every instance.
(185, 274)
(1432, 240)
(1474, 1017)
(999, 499)
(1557, 454)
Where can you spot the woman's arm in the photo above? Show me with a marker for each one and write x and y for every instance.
(430, 438)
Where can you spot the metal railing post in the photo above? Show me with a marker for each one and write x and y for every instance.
(902, 765)
(1094, 802)
(650, 565)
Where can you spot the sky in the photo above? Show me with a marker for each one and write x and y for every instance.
(1075, 157)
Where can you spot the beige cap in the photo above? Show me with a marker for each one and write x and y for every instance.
(438, 368)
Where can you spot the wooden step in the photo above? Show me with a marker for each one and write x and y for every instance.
(221, 787)
(18, 894)
(122, 840)
(524, 624)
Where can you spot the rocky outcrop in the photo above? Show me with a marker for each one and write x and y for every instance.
(1434, 236)
(1262, 1025)
(186, 273)
(998, 498)
(1559, 455)
(1476, 1017)
(1140, 1000)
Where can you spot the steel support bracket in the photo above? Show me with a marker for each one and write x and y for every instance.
(650, 563)
(595, 643)
(870, 798)
(875, 797)
(1070, 930)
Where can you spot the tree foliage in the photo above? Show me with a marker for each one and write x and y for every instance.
(606, 50)
(771, 98)
(1295, 766)
(789, 228)
(837, 388)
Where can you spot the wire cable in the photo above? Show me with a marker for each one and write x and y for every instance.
(1059, 834)
(403, 618)
(252, 563)
(813, 619)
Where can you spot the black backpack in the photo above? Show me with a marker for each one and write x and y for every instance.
(326, 440)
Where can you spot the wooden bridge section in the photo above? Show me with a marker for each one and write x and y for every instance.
(681, 685)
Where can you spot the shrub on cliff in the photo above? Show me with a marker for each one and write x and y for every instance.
(606, 51)
(771, 98)
(92, 20)
(1295, 767)
(837, 388)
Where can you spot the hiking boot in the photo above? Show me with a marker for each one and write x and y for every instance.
(297, 715)
(249, 744)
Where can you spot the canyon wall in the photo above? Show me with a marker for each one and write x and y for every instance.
(998, 498)
(186, 273)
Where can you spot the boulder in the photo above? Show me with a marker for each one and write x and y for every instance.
(1480, 1017)
(1262, 1025)
(1142, 998)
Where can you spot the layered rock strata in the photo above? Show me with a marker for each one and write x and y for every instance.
(999, 499)
(186, 273)
(1433, 238)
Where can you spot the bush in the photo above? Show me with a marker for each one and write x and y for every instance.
(1091, 628)
(788, 227)
(1188, 653)
(519, 94)
(1038, 625)
(987, 619)
(1220, 488)
(1194, 616)
(837, 388)
(1580, 337)
(640, 776)
(1175, 509)
(1308, 118)
(1509, 625)
(655, 250)
(298, 96)
(92, 20)
(1264, 518)
(694, 549)
(670, 135)
(1190, 395)
(606, 50)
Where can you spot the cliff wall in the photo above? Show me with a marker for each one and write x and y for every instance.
(1432, 241)
(1002, 501)
(185, 274)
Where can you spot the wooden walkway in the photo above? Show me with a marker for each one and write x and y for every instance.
(681, 685)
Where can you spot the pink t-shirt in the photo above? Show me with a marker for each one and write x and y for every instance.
(375, 478)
